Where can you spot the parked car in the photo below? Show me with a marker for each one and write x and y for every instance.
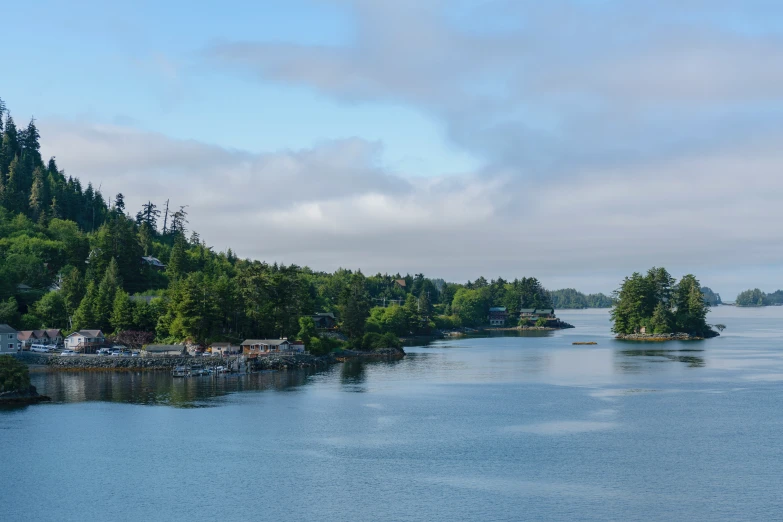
(114, 352)
(40, 348)
(68, 353)
(135, 354)
(103, 351)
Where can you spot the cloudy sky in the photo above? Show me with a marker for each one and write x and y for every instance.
(571, 140)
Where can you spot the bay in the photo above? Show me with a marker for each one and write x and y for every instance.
(497, 428)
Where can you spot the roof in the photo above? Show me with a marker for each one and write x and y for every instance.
(400, 282)
(221, 345)
(25, 335)
(498, 309)
(270, 342)
(164, 348)
(527, 311)
(4, 328)
(154, 261)
(88, 333)
(53, 332)
(324, 314)
(23, 287)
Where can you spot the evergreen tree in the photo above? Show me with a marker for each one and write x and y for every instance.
(355, 307)
(122, 312)
(107, 291)
(176, 266)
(119, 204)
(85, 316)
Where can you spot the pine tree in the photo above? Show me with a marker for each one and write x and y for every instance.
(107, 290)
(32, 147)
(84, 317)
(39, 197)
(122, 312)
(177, 260)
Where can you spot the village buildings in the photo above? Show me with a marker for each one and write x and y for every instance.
(85, 341)
(51, 337)
(9, 343)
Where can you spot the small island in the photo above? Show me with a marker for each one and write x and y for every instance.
(655, 307)
(15, 387)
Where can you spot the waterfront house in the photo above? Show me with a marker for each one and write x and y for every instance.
(265, 346)
(85, 341)
(324, 321)
(498, 316)
(225, 348)
(298, 346)
(163, 349)
(537, 313)
(51, 336)
(9, 341)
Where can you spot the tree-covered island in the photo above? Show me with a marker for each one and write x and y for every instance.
(657, 307)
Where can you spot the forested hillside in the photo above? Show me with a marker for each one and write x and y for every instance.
(570, 298)
(70, 260)
(756, 297)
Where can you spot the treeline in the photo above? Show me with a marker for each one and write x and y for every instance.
(756, 297)
(568, 298)
(657, 303)
(71, 260)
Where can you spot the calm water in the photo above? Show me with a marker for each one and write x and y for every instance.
(502, 428)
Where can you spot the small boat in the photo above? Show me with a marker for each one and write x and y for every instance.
(180, 371)
(198, 371)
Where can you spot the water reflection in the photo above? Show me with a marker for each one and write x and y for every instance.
(686, 356)
(353, 375)
(159, 387)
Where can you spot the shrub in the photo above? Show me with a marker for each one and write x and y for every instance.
(14, 375)
(541, 321)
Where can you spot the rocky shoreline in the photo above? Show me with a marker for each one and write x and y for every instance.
(49, 362)
(645, 337)
(22, 398)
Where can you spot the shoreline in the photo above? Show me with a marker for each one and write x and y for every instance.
(660, 338)
(38, 363)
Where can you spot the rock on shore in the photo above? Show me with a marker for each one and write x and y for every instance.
(21, 398)
(662, 337)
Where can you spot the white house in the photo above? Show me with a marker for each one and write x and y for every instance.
(9, 342)
(85, 341)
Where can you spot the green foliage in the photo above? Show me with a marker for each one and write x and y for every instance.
(471, 306)
(656, 303)
(756, 297)
(9, 312)
(355, 306)
(14, 375)
(307, 330)
(568, 298)
(51, 310)
(375, 341)
(541, 321)
(122, 312)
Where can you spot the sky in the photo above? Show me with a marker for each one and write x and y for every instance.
(576, 141)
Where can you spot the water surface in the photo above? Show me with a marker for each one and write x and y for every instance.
(500, 428)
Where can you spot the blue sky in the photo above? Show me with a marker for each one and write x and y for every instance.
(573, 140)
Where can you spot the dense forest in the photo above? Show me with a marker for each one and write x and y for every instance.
(657, 303)
(756, 297)
(570, 298)
(71, 260)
